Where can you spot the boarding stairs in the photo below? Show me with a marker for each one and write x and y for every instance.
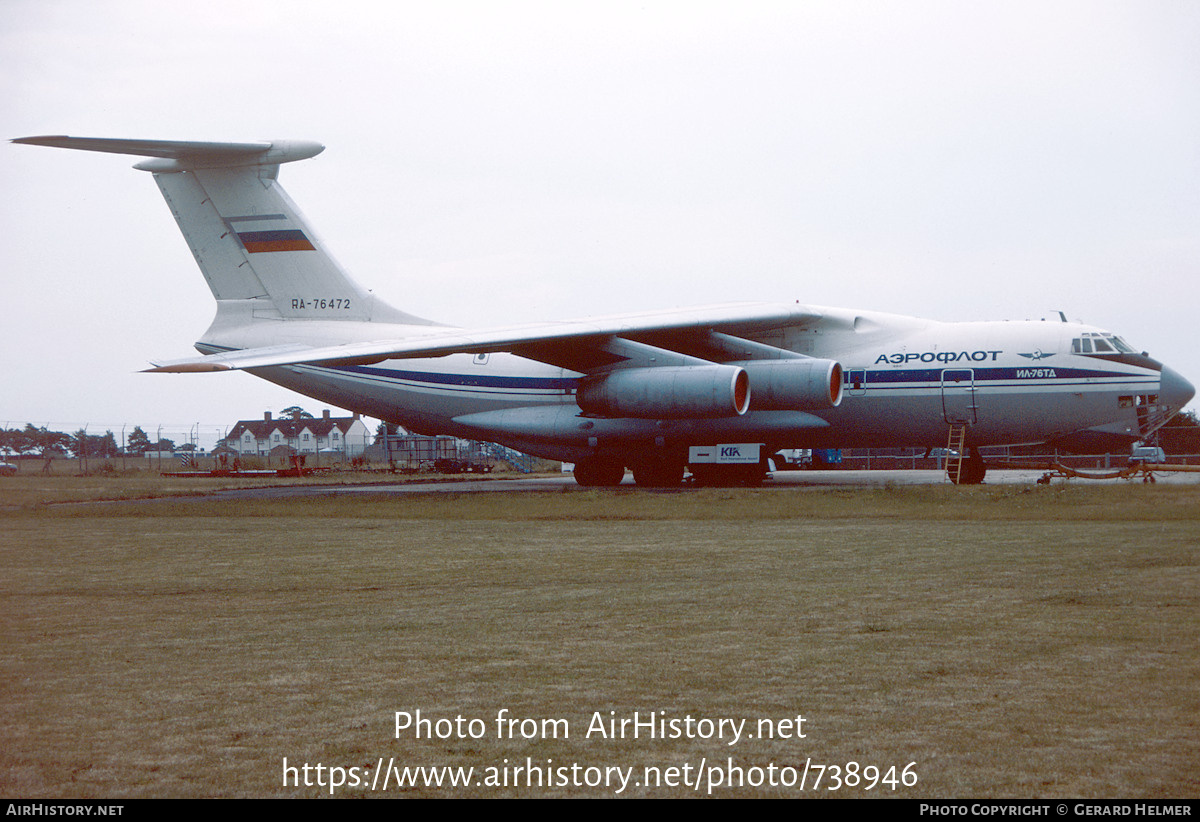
(521, 462)
(956, 451)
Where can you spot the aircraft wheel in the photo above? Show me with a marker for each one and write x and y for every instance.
(598, 472)
(658, 474)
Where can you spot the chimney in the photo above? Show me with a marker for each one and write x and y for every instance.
(266, 416)
(325, 414)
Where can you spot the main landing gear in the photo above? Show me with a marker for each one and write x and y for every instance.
(598, 472)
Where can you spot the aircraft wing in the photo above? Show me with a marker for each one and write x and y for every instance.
(549, 342)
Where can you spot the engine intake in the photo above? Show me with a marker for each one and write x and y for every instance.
(667, 392)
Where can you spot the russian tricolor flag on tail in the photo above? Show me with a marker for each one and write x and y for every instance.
(257, 242)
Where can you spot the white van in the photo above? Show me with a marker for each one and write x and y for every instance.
(1148, 453)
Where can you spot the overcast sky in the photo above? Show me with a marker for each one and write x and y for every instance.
(495, 162)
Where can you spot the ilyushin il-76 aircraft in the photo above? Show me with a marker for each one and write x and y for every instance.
(717, 388)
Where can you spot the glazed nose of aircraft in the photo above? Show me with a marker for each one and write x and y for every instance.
(1174, 391)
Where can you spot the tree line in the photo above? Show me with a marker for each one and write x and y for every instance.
(44, 442)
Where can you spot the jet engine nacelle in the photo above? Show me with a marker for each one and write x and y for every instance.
(795, 385)
(667, 392)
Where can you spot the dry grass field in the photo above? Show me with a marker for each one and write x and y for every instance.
(32, 489)
(1007, 641)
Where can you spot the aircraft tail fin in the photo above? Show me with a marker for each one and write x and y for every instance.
(246, 234)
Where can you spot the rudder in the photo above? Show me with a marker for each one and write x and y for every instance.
(251, 243)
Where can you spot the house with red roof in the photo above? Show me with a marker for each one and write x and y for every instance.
(345, 436)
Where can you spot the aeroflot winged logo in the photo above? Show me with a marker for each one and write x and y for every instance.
(1036, 355)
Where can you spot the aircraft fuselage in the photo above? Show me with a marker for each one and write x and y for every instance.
(905, 381)
(636, 390)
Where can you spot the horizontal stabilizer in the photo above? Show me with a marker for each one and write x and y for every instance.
(175, 155)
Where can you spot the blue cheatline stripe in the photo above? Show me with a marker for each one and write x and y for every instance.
(934, 375)
(519, 393)
(465, 380)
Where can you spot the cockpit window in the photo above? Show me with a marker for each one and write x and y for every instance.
(1095, 343)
